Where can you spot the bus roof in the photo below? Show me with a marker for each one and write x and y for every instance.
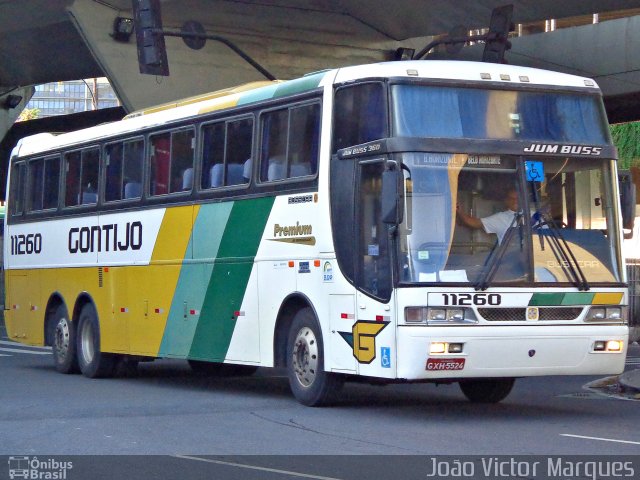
(265, 90)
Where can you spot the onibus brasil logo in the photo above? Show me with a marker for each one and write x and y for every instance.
(37, 469)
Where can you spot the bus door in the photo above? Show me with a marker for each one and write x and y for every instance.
(373, 332)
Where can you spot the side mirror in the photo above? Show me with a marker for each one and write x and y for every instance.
(392, 195)
(627, 200)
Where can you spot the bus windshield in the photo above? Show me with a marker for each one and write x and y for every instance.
(471, 219)
(454, 112)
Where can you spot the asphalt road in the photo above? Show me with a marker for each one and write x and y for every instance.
(167, 410)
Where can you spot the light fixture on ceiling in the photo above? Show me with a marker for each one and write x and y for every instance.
(11, 101)
(122, 29)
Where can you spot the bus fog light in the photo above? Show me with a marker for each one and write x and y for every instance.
(455, 348)
(614, 346)
(436, 314)
(415, 315)
(437, 347)
(599, 346)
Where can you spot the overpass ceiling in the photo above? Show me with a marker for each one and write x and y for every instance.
(39, 42)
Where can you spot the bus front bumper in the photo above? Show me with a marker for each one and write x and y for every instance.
(426, 352)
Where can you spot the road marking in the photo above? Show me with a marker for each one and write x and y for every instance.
(17, 350)
(598, 438)
(16, 344)
(255, 467)
(3, 355)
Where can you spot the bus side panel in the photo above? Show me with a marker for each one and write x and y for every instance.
(17, 305)
(147, 295)
(228, 285)
(212, 286)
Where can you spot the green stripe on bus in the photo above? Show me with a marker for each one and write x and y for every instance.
(582, 298)
(569, 298)
(229, 277)
(539, 299)
(264, 93)
(192, 284)
(299, 85)
(292, 87)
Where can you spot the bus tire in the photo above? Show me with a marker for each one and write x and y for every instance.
(64, 341)
(92, 362)
(217, 369)
(310, 384)
(490, 390)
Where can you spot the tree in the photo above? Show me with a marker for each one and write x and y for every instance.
(28, 114)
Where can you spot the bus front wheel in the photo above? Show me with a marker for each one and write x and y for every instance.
(491, 390)
(309, 382)
(92, 362)
(64, 341)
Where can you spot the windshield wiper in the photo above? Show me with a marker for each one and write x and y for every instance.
(563, 253)
(495, 258)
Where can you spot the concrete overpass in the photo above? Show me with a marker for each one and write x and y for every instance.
(55, 40)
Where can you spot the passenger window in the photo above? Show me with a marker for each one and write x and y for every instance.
(290, 143)
(18, 184)
(172, 162)
(123, 162)
(226, 153)
(81, 181)
(44, 179)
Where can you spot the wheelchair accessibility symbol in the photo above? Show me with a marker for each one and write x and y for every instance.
(535, 171)
(385, 357)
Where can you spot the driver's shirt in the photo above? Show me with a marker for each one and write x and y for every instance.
(498, 223)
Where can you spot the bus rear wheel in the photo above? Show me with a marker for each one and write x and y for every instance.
(64, 341)
(92, 362)
(491, 390)
(309, 382)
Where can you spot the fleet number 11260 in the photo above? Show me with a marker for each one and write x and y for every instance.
(468, 299)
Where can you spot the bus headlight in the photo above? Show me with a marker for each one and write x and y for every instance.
(439, 315)
(606, 314)
(613, 346)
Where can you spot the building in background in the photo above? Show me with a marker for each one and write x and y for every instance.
(63, 98)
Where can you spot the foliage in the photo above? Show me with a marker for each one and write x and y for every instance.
(28, 114)
(626, 137)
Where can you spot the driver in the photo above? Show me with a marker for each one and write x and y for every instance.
(497, 223)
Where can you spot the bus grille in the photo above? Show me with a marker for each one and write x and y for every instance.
(520, 314)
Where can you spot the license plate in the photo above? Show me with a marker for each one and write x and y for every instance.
(438, 364)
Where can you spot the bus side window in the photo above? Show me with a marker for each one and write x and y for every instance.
(81, 180)
(212, 155)
(274, 146)
(238, 152)
(18, 184)
(113, 164)
(36, 180)
(133, 159)
(182, 143)
(51, 183)
(160, 157)
(89, 178)
(359, 115)
(303, 140)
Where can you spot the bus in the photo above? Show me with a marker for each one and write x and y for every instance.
(328, 225)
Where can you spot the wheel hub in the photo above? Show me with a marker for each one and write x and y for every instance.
(61, 339)
(305, 357)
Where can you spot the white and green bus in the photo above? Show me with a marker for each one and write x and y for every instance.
(347, 224)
